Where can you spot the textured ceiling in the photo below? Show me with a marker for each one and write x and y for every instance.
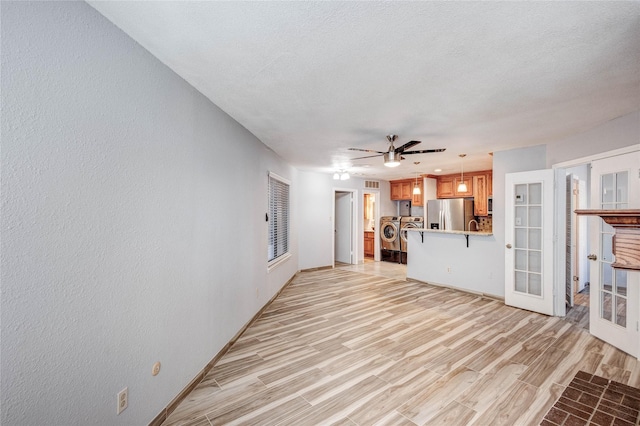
(311, 79)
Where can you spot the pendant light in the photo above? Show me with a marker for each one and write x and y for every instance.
(462, 187)
(416, 187)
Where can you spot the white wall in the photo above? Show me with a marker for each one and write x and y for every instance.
(316, 214)
(618, 133)
(133, 225)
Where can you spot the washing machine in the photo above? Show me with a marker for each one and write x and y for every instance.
(405, 223)
(390, 233)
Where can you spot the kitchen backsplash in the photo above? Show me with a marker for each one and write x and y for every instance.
(485, 224)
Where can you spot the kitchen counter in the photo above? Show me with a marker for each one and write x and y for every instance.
(439, 231)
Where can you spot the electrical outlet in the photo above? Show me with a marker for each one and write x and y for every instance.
(155, 369)
(449, 269)
(123, 400)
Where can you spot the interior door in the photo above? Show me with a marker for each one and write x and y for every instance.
(343, 227)
(531, 275)
(614, 294)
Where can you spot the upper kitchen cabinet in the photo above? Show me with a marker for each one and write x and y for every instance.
(447, 186)
(444, 187)
(481, 195)
(403, 190)
(478, 186)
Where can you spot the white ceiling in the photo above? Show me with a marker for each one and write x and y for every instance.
(311, 79)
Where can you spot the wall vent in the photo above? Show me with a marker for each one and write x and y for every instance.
(372, 184)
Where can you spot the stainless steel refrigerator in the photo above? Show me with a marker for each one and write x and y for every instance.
(451, 214)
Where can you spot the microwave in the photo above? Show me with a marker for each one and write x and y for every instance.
(490, 205)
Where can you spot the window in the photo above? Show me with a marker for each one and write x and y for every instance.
(278, 218)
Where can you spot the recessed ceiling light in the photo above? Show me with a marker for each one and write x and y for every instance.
(437, 170)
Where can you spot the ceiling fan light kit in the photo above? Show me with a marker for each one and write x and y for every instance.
(391, 159)
(341, 175)
(393, 155)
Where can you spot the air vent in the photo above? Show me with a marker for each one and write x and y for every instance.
(371, 184)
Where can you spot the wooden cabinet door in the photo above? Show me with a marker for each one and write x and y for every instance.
(368, 244)
(480, 204)
(468, 181)
(396, 191)
(444, 188)
(407, 190)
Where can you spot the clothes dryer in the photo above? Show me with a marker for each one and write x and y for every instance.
(405, 223)
(390, 233)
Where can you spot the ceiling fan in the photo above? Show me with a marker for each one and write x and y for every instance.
(393, 156)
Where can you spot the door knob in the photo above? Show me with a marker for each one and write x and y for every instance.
(508, 246)
(592, 257)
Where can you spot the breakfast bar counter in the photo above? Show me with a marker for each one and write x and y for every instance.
(444, 258)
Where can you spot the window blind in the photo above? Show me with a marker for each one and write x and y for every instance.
(278, 217)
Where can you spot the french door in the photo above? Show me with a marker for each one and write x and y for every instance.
(614, 293)
(532, 200)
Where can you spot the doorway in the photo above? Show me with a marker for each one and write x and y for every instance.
(577, 273)
(371, 219)
(344, 226)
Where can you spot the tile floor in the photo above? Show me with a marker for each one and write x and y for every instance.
(396, 271)
(358, 348)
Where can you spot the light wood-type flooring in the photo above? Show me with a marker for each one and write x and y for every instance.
(340, 347)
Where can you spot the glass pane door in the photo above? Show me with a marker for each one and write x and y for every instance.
(614, 311)
(529, 250)
(613, 283)
(528, 238)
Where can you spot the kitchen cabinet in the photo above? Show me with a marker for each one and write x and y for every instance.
(447, 186)
(444, 187)
(479, 186)
(481, 194)
(403, 190)
(369, 243)
(396, 190)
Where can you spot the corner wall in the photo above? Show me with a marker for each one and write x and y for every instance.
(133, 225)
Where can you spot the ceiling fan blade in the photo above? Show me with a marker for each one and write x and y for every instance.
(425, 151)
(365, 150)
(369, 156)
(407, 146)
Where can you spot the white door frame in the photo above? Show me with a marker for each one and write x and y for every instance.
(376, 228)
(354, 228)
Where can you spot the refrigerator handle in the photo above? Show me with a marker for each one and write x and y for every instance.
(440, 220)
